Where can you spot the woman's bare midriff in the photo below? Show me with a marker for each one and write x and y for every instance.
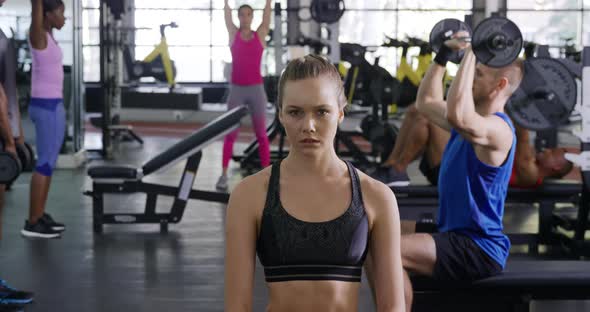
(324, 296)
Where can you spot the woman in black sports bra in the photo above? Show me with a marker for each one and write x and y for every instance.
(312, 218)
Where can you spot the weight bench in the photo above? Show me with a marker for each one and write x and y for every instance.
(127, 179)
(546, 195)
(521, 282)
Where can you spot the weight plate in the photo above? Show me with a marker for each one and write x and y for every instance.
(546, 96)
(496, 41)
(30, 157)
(9, 168)
(443, 31)
(23, 155)
(327, 11)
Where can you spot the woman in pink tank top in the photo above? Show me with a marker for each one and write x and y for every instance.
(47, 112)
(246, 86)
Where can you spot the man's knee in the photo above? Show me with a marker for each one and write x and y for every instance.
(418, 253)
(408, 227)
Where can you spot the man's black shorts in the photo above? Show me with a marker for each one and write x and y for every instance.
(459, 258)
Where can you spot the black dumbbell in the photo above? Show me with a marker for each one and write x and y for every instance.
(10, 166)
(25, 155)
(496, 41)
(32, 153)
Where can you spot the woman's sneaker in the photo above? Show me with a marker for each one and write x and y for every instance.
(221, 184)
(11, 296)
(39, 230)
(56, 226)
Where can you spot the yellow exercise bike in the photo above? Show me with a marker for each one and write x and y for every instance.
(157, 64)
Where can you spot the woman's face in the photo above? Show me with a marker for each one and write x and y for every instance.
(245, 15)
(311, 114)
(56, 17)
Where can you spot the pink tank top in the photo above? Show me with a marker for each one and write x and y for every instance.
(246, 58)
(47, 72)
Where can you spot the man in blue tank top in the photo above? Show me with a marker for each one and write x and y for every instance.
(474, 173)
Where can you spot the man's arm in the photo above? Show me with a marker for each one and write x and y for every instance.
(490, 132)
(37, 34)
(527, 172)
(265, 25)
(429, 100)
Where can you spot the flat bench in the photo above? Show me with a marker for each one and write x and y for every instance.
(128, 179)
(521, 282)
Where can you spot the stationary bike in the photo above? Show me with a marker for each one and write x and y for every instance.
(157, 64)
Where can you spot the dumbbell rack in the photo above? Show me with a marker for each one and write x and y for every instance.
(577, 243)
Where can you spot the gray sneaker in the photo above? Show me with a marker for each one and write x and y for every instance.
(391, 177)
(221, 183)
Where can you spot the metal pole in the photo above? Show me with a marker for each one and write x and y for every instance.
(77, 96)
(278, 40)
(105, 79)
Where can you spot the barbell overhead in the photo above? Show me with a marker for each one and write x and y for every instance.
(496, 41)
(327, 11)
(546, 96)
(443, 31)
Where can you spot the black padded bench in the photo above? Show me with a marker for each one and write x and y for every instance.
(127, 179)
(546, 196)
(513, 290)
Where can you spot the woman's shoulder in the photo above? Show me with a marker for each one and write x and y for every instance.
(253, 186)
(377, 197)
(371, 186)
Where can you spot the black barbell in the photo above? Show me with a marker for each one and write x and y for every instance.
(496, 41)
(547, 93)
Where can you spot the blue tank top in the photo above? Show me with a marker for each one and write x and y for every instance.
(472, 195)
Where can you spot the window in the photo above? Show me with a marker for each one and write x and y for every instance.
(552, 22)
(91, 40)
(368, 22)
(544, 4)
(15, 17)
(199, 47)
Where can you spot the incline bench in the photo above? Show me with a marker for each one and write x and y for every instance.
(126, 179)
(547, 195)
(521, 282)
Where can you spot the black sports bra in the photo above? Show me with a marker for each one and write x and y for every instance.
(291, 249)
